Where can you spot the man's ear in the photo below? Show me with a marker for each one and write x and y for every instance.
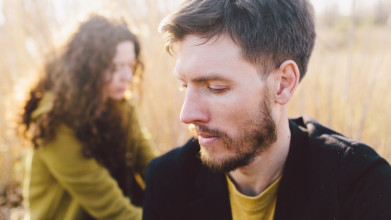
(289, 79)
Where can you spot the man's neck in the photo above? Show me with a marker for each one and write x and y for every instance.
(254, 178)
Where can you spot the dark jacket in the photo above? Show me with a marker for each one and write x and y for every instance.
(326, 176)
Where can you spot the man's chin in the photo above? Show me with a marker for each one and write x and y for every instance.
(226, 163)
(209, 159)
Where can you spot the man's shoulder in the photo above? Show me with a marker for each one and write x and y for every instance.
(324, 138)
(350, 177)
(332, 150)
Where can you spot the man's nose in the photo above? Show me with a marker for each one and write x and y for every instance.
(194, 108)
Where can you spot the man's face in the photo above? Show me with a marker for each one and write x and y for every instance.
(226, 100)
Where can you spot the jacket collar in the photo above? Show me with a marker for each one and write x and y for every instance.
(292, 195)
(211, 199)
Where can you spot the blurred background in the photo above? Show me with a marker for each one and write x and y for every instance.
(345, 88)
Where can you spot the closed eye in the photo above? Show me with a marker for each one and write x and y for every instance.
(217, 89)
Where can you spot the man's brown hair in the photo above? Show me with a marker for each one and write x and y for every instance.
(268, 31)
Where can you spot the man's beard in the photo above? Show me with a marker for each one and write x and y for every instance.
(257, 136)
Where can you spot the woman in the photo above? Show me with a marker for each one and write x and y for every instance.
(90, 155)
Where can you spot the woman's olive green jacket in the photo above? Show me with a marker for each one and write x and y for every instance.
(62, 184)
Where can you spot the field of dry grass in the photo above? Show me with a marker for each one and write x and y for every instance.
(346, 87)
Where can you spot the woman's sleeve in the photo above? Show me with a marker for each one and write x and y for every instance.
(144, 151)
(88, 182)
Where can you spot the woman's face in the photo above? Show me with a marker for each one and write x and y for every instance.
(119, 80)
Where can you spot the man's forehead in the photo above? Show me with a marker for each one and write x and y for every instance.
(217, 59)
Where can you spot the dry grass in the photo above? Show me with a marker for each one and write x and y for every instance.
(345, 88)
(357, 106)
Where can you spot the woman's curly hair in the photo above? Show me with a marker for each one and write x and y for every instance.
(76, 78)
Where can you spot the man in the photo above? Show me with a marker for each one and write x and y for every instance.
(240, 62)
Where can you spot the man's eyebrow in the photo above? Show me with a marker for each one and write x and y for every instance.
(205, 78)
(211, 77)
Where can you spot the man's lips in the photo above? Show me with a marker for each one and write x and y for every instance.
(206, 139)
(205, 135)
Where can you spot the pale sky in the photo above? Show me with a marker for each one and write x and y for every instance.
(344, 6)
(1, 13)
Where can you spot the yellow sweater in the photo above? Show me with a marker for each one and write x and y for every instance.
(62, 184)
(260, 207)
